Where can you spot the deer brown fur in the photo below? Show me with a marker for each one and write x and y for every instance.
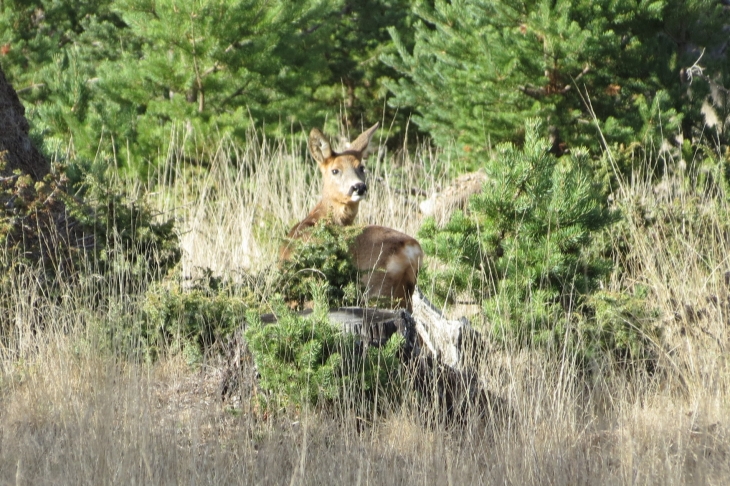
(388, 259)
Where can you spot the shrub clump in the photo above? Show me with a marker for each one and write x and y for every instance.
(44, 222)
(623, 326)
(322, 257)
(190, 321)
(526, 248)
(308, 361)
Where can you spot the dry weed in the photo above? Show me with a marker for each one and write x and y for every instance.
(70, 413)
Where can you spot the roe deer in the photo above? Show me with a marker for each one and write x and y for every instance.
(388, 259)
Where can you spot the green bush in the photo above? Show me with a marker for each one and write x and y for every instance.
(308, 361)
(190, 321)
(323, 256)
(97, 245)
(622, 326)
(529, 228)
(525, 248)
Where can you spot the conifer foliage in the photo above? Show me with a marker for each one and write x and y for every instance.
(524, 247)
(212, 65)
(309, 361)
(481, 67)
(323, 258)
(116, 78)
(50, 51)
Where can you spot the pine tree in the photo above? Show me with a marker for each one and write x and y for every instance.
(358, 37)
(50, 51)
(480, 67)
(524, 247)
(211, 67)
(115, 78)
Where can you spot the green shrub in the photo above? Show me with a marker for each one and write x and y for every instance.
(309, 361)
(322, 256)
(189, 321)
(525, 247)
(35, 224)
(623, 326)
(96, 246)
(528, 230)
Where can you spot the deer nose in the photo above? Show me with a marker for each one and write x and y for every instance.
(360, 189)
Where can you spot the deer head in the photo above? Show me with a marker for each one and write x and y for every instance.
(343, 173)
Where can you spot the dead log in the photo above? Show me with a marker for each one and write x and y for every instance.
(455, 343)
(454, 196)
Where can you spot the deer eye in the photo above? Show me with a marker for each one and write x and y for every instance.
(335, 171)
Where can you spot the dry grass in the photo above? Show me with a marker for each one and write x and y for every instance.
(73, 412)
(235, 212)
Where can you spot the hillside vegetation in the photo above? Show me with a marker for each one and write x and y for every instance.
(594, 261)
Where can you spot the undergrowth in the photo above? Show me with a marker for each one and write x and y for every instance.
(322, 257)
(45, 223)
(109, 375)
(309, 361)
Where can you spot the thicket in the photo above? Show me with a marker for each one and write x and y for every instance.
(527, 250)
(114, 78)
(650, 71)
(108, 82)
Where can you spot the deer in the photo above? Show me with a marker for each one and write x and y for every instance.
(388, 260)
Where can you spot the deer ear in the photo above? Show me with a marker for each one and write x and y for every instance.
(362, 142)
(319, 146)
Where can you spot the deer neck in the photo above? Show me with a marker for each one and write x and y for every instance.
(339, 214)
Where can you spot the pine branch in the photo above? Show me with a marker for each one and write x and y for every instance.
(31, 87)
(233, 95)
(541, 92)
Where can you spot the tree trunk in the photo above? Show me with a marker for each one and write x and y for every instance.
(16, 149)
(36, 224)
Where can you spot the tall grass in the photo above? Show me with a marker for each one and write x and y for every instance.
(73, 410)
(235, 212)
